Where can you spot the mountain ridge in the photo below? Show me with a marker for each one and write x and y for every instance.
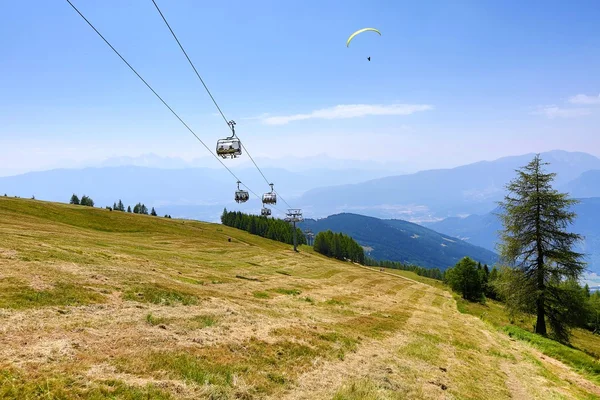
(199, 192)
(440, 193)
(402, 241)
(481, 230)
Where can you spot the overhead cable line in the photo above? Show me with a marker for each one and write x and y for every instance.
(160, 98)
(211, 96)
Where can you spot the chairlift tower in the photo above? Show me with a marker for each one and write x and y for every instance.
(294, 215)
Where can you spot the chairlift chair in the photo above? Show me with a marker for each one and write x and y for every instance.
(270, 197)
(230, 146)
(241, 196)
(265, 212)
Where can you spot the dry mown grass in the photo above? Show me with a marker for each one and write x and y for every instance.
(99, 304)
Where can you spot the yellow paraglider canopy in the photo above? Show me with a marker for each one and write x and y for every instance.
(359, 32)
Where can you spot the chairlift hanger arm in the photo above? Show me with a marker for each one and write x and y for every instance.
(232, 127)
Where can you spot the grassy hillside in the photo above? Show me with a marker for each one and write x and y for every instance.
(98, 304)
(403, 241)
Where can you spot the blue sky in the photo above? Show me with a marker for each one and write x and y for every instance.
(449, 82)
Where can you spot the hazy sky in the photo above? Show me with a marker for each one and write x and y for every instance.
(448, 82)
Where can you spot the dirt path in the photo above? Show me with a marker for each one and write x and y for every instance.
(566, 373)
(389, 273)
(517, 390)
(438, 354)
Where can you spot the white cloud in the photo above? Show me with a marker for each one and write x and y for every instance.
(558, 112)
(349, 111)
(584, 99)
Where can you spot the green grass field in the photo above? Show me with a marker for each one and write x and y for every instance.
(98, 304)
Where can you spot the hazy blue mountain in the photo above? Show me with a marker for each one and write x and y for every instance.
(146, 160)
(481, 230)
(195, 192)
(403, 241)
(371, 168)
(585, 185)
(131, 184)
(324, 162)
(432, 194)
(201, 192)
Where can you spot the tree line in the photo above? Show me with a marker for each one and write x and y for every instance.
(139, 208)
(344, 247)
(540, 269)
(85, 200)
(270, 228)
(338, 245)
(433, 273)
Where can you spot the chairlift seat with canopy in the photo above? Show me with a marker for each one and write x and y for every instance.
(270, 197)
(265, 212)
(230, 146)
(241, 196)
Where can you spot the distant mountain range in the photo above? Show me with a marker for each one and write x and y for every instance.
(189, 192)
(317, 162)
(481, 230)
(435, 194)
(398, 240)
(347, 186)
(585, 185)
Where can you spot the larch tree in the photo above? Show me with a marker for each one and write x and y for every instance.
(539, 249)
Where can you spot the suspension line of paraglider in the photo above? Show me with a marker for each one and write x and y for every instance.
(162, 100)
(213, 99)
